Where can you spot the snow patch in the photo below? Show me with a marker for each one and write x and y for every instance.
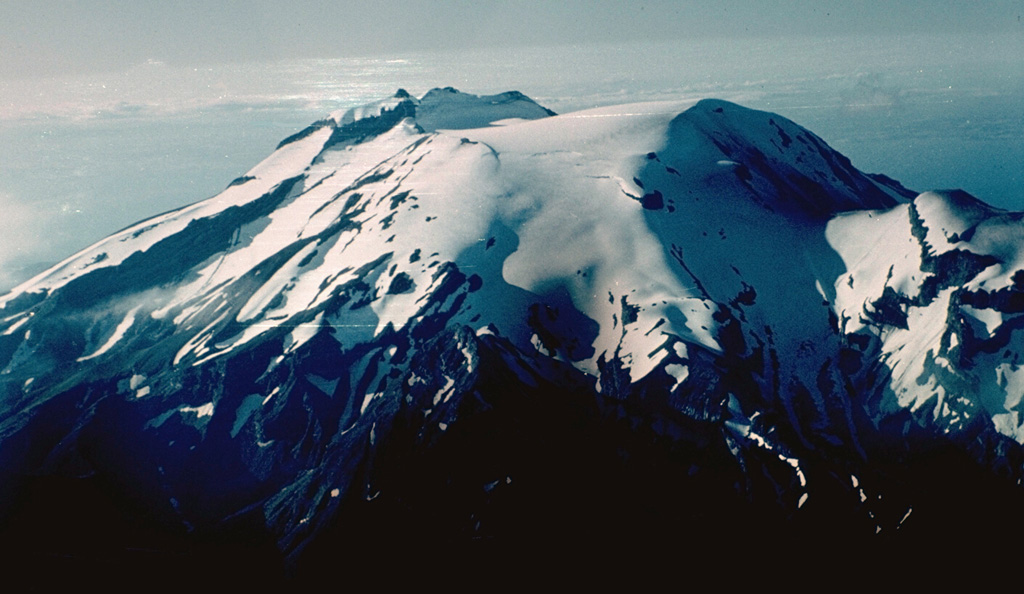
(324, 385)
(367, 399)
(678, 372)
(905, 516)
(14, 328)
(245, 410)
(205, 410)
(118, 334)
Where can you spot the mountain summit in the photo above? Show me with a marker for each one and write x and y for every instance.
(462, 319)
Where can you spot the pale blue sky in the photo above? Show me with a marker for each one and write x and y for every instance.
(71, 37)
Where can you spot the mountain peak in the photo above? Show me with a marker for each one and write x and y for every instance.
(443, 303)
(773, 155)
(451, 109)
(446, 108)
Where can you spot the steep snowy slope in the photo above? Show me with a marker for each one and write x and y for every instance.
(937, 289)
(408, 314)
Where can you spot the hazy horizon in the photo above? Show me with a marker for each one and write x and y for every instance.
(113, 35)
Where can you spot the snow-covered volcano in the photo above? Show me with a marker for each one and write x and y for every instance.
(463, 317)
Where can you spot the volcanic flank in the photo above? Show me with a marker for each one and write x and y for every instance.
(459, 320)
